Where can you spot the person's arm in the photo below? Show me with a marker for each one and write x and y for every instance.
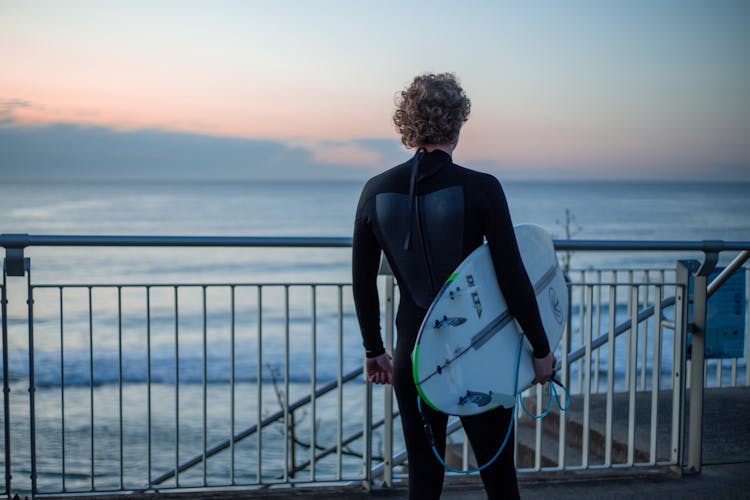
(513, 280)
(365, 263)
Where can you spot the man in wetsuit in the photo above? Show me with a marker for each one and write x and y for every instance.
(427, 215)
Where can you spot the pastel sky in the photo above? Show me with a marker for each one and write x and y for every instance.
(560, 89)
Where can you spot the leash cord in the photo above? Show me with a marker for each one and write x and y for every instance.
(553, 394)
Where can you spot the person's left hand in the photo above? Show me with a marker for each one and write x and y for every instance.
(379, 369)
(544, 368)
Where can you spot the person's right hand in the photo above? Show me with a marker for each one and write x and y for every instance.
(379, 369)
(544, 368)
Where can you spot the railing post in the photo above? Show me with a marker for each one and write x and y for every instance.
(682, 275)
(15, 264)
(6, 383)
(698, 330)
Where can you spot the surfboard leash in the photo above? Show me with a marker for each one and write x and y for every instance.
(431, 438)
(553, 393)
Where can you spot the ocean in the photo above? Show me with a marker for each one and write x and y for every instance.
(117, 353)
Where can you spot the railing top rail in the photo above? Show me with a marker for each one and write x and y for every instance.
(27, 240)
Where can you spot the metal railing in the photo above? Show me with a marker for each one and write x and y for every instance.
(159, 386)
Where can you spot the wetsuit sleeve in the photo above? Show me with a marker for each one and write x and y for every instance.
(365, 262)
(511, 273)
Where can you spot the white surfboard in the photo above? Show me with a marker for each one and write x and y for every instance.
(465, 357)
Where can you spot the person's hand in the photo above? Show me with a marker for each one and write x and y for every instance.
(544, 368)
(379, 369)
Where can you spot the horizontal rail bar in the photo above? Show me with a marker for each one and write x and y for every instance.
(645, 245)
(236, 284)
(26, 240)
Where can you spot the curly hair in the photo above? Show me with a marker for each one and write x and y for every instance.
(431, 110)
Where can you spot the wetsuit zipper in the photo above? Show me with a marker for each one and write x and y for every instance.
(427, 260)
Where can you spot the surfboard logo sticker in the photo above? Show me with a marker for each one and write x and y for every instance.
(454, 321)
(478, 398)
(554, 301)
(474, 296)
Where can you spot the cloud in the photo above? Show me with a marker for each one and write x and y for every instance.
(364, 152)
(77, 151)
(8, 109)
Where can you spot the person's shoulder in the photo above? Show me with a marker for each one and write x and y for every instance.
(392, 179)
(481, 180)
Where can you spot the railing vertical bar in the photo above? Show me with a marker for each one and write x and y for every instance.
(598, 329)
(148, 378)
(32, 385)
(610, 374)
(565, 377)
(119, 384)
(587, 377)
(538, 430)
(747, 326)
(629, 314)
(204, 381)
(516, 417)
(6, 384)
(733, 373)
(232, 387)
(388, 393)
(644, 351)
(62, 387)
(286, 383)
(632, 363)
(662, 280)
(367, 436)
(340, 390)
(259, 409)
(465, 448)
(313, 377)
(91, 382)
(176, 387)
(581, 321)
(655, 372)
(719, 371)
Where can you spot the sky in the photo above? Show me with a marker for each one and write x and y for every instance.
(298, 90)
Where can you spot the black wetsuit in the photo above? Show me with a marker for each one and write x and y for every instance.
(426, 221)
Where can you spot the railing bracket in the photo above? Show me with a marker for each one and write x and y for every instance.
(15, 263)
(709, 263)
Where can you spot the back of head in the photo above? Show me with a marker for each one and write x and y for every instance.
(431, 110)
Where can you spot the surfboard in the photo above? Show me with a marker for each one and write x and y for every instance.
(464, 360)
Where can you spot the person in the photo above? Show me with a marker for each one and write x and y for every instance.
(426, 216)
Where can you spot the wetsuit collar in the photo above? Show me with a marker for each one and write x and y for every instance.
(432, 162)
